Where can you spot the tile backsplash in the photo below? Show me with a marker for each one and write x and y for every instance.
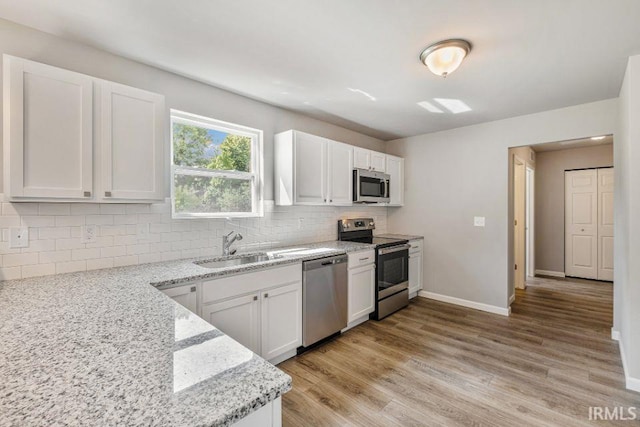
(55, 244)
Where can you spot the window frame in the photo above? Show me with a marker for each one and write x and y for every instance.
(256, 176)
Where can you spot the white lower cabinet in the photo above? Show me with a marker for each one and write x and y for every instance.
(270, 415)
(237, 317)
(361, 282)
(186, 296)
(261, 310)
(281, 320)
(415, 267)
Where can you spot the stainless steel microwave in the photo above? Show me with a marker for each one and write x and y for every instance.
(370, 186)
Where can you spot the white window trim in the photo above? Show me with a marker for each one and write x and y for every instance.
(257, 166)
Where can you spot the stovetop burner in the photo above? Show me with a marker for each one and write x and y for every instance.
(361, 230)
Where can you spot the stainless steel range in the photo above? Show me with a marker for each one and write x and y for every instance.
(392, 264)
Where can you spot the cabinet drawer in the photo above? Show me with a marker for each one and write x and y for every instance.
(358, 259)
(245, 283)
(416, 246)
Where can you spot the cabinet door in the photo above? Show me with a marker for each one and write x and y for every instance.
(362, 282)
(281, 326)
(185, 296)
(237, 317)
(415, 272)
(48, 131)
(340, 173)
(132, 122)
(311, 169)
(378, 161)
(361, 158)
(395, 168)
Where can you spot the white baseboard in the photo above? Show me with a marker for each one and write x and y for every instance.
(615, 335)
(466, 303)
(550, 273)
(512, 298)
(356, 323)
(279, 359)
(631, 383)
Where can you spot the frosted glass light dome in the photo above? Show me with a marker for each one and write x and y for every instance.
(445, 57)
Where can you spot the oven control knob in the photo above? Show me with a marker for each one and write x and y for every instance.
(371, 224)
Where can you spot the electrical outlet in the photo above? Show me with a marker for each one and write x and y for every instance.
(142, 231)
(19, 238)
(89, 233)
(478, 221)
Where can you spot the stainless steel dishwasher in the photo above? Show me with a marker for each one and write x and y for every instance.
(324, 299)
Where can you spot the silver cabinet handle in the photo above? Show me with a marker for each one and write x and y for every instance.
(364, 259)
(107, 194)
(255, 297)
(266, 295)
(193, 289)
(87, 194)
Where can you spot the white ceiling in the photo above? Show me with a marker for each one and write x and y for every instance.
(572, 143)
(528, 56)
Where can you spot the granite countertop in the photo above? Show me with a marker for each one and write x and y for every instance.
(400, 236)
(105, 348)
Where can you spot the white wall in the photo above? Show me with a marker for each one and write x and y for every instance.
(54, 229)
(627, 224)
(454, 175)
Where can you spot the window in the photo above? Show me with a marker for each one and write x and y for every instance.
(216, 168)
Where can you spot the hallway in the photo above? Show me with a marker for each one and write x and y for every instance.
(440, 364)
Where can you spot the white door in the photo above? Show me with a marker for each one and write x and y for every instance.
(415, 272)
(311, 169)
(378, 161)
(605, 224)
(237, 317)
(281, 326)
(361, 158)
(362, 282)
(185, 296)
(581, 223)
(340, 173)
(132, 122)
(49, 130)
(395, 169)
(519, 219)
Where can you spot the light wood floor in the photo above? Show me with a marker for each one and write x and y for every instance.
(439, 364)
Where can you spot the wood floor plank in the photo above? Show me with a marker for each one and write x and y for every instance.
(436, 364)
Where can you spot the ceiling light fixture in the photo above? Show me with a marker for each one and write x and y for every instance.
(456, 106)
(597, 138)
(444, 57)
(430, 107)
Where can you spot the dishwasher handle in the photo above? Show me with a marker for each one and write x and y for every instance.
(324, 262)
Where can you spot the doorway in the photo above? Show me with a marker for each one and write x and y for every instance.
(519, 221)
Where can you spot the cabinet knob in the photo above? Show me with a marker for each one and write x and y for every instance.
(266, 295)
(325, 200)
(107, 194)
(87, 194)
(255, 297)
(193, 289)
(331, 201)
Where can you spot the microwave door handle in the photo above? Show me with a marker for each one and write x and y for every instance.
(386, 188)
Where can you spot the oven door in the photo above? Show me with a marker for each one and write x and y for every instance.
(370, 187)
(393, 270)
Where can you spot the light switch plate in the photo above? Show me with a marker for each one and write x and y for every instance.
(478, 221)
(89, 233)
(18, 238)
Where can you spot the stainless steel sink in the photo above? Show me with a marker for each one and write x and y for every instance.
(239, 260)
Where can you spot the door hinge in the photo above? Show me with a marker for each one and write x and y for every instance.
(516, 267)
(515, 222)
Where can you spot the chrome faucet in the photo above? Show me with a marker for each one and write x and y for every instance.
(226, 243)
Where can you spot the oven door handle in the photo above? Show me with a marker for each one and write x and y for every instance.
(385, 251)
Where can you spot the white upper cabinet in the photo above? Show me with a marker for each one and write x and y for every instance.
(340, 173)
(367, 159)
(48, 131)
(311, 170)
(395, 169)
(72, 137)
(132, 122)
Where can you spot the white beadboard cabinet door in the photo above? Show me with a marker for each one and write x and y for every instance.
(48, 131)
(237, 317)
(340, 173)
(310, 179)
(281, 326)
(395, 169)
(132, 143)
